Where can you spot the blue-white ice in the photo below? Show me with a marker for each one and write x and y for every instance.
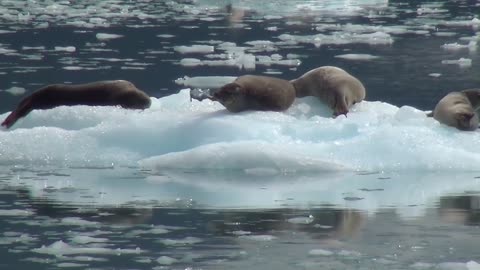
(178, 134)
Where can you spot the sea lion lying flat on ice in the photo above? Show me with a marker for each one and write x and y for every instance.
(252, 92)
(459, 109)
(102, 93)
(333, 86)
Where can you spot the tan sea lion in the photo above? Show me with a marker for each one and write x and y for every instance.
(252, 92)
(333, 86)
(459, 109)
(102, 93)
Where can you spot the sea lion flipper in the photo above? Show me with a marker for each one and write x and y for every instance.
(10, 120)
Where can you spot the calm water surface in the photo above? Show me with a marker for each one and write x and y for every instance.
(126, 217)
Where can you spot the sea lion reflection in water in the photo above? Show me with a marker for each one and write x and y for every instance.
(251, 92)
(102, 93)
(333, 86)
(459, 109)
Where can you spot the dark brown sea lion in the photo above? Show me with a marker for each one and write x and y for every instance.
(252, 92)
(102, 93)
(333, 86)
(459, 109)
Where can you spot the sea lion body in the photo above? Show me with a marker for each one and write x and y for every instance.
(252, 92)
(333, 86)
(459, 109)
(102, 93)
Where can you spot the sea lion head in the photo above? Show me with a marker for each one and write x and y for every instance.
(231, 96)
(466, 121)
(473, 96)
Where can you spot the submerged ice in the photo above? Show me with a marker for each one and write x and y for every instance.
(179, 134)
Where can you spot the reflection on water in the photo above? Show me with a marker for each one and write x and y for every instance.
(120, 218)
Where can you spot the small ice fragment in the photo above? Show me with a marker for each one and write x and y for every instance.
(200, 94)
(165, 36)
(357, 56)
(165, 260)
(65, 49)
(263, 237)
(301, 220)
(105, 36)
(320, 252)
(436, 75)
(421, 265)
(185, 241)
(194, 49)
(190, 62)
(462, 62)
(204, 82)
(16, 91)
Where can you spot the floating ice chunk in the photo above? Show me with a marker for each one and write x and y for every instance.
(301, 220)
(190, 62)
(435, 75)
(165, 36)
(260, 237)
(77, 221)
(241, 232)
(462, 62)
(106, 36)
(473, 265)
(452, 266)
(189, 240)
(357, 56)
(165, 260)
(85, 239)
(194, 49)
(16, 91)
(15, 212)
(320, 252)
(71, 265)
(472, 45)
(65, 49)
(73, 68)
(205, 81)
(349, 253)
(475, 22)
(422, 265)
(60, 248)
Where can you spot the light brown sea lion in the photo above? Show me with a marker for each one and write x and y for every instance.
(459, 109)
(333, 86)
(102, 93)
(252, 92)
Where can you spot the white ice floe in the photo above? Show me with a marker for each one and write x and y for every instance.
(471, 46)
(166, 260)
(357, 56)
(106, 36)
(462, 62)
(61, 248)
(195, 49)
(16, 91)
(205, 82)
(189, 240)
(203, 135)
(65, 49)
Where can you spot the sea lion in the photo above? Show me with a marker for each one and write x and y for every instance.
(333, 86)
(459, 109)
(253, 92)
(101, 93)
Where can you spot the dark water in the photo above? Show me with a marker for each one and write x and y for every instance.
(129, 219)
